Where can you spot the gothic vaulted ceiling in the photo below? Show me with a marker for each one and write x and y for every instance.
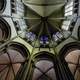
(45, 16)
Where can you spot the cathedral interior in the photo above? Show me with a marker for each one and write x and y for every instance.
(39, 39)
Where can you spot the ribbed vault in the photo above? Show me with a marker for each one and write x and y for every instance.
(42, 14)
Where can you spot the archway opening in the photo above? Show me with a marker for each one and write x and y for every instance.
(44, 68)
(12, 59)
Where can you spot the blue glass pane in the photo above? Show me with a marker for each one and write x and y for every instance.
(43, 39)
